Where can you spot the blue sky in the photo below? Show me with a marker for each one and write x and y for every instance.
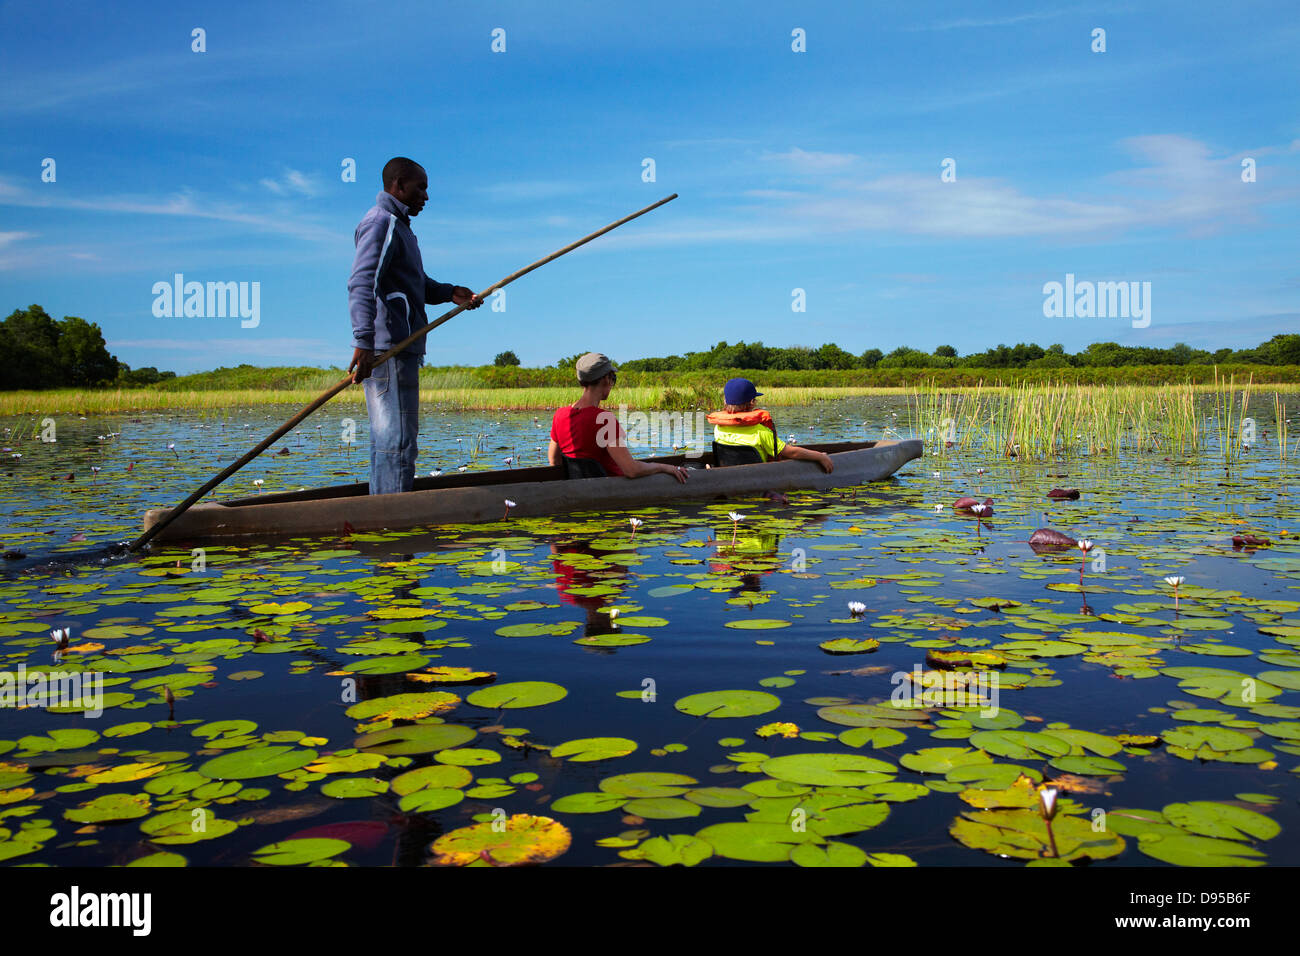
(817, 170)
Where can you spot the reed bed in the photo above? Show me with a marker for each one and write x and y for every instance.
(1038, 421)
(669, 397)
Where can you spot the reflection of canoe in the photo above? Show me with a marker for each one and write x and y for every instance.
(480, 496)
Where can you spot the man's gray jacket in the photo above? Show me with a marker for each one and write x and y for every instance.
(388, 288)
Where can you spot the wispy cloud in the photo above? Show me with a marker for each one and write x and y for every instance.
(966, 23)
(284, 350)
(184, 204)
(7, 237)
(811, 162)
(292, 182)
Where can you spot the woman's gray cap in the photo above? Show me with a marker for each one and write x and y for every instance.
(594, 366)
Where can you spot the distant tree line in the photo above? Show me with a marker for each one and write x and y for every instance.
(38, 351)
(1279, 350)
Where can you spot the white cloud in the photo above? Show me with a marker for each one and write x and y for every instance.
(7, 237)
(812, 162)
(212, 352)
(293, 181)
(184, 204)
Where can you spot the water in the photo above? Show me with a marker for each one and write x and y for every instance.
(917, 570)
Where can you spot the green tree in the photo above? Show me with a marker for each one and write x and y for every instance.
(870, 358)
(507, 358)
(82, 354)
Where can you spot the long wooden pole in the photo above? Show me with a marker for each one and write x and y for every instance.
(343, 383)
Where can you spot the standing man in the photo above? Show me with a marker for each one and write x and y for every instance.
(386, 296)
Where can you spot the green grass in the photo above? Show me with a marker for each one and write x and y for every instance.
(1026, 407)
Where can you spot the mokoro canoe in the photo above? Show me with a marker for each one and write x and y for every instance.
(471, 497)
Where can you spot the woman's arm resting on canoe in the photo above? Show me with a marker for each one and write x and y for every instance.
(632, 468)
(807, 454)
(553, 452)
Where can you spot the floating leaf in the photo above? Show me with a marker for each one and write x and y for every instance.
(519, 694)
(728, 703)
(829, 769)
(415, 739)
(594, 748)
(524, 839)
(257, 762)
(299, 852)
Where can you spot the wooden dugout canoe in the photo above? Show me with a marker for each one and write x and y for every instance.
(471, 497)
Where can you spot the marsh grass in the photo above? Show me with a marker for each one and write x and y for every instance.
(1045, 420)
(667, 397)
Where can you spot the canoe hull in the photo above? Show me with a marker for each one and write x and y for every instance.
(535, 491)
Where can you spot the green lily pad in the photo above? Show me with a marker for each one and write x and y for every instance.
(415, 739)
(728, 703)
(590, 802)
(1221, 820)
(518, 694)
(832, 854)
(299, 852)
(594, 748)
(943, 759)
(675, 850)
(257, 762)
(111, 806)
(349, 787)
(829, 769)
(650, 784)
(1190, 850)
(184, 826)
(662, 808)
(755, 842)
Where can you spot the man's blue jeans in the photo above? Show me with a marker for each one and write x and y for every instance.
(393, 403)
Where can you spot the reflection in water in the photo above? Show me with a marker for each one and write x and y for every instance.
(587, 580)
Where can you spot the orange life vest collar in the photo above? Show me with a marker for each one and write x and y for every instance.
(758, 416)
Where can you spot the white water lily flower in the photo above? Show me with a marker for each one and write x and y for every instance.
(937, 475)
(171, 446)
(1047, 796)
(1084, 545)
(856, 607)
(509, 503)
(978, 509)
(735, 516)
(508, 461)
(635, 522)
(613, 613)
(1174, 581)
(938, 509)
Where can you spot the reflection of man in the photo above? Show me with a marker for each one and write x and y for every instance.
(574, 573)
(386, 296)
(748, 549)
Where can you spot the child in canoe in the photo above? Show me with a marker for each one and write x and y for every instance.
(740, 423)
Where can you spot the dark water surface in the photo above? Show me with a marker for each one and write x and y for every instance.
(922, 573)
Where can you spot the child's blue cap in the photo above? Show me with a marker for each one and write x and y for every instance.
(739, 391)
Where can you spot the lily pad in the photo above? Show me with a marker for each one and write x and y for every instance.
(728, 703)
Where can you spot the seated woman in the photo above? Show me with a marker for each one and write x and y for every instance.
(584, 430)
(740, 423)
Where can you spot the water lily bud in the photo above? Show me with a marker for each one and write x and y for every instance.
(1047, 797)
